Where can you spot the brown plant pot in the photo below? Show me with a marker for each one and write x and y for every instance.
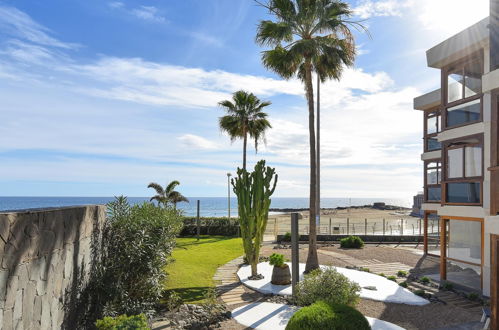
(281, 275)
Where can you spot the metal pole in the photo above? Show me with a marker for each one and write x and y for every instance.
(365, 226)
(228, 193)
(384, 226)
(402, 227)
(295, 253)
(329, 226)
(198, 221)
(348, 226)
(318, 155)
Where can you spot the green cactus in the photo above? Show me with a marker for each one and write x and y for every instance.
(253, 191)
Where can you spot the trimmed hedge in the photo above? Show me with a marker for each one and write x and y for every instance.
(321, 315)
(352, 242)
(222, 226)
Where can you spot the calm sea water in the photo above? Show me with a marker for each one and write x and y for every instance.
(210, 206)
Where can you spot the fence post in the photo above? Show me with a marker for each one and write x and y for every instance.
(391, 230)
(419, 226)
(402, 227)
(365, 226)
(329, 226)
(353, 228)
(413, 232)
(348, 226)
(275, 228)
(198, 222)
(294, 252)
(384, 226)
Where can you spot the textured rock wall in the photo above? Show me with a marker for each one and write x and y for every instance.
(43, 254)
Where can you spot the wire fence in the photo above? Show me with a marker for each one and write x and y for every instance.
(407, 226)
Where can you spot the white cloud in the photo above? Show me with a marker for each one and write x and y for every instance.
(370, 8)
(116, 4)
(442, 17)
(148, 13)
(19, 24)
(192, 141)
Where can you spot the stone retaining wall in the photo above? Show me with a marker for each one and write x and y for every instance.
(44, 254)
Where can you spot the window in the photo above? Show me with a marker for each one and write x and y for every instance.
(464, 172)
(463, 90)
(463, 252)
(433, 175)
(433, 127)
(464, 162)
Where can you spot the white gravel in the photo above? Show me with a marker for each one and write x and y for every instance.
(386, 290)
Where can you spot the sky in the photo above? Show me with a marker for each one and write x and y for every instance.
(99, 98)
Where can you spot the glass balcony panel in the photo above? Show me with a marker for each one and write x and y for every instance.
(463, 192)
(433, 234)
(432, 176)
(434, 194)
(463, 113)
(465, 241)
(464, 274)
(433, 144)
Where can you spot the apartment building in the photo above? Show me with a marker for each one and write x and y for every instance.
(461, 172)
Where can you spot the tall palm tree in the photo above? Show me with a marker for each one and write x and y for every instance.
(167, 195)
(308, 36)
(244, 117)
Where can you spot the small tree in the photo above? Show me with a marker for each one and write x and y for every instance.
(253, 191)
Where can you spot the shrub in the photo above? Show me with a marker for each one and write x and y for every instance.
(129, 254)
(276, 260)
(382, 274)
(123, 322)
(321, 315)
(448, 286)
(365, 269)
(420, 293)
(403, 284)
(402, 273)
(424, 280)
(286, 237)
(351, 242)
(222, 226)
(392, 278)
(329, 286)
(173, 300)
(472, 296)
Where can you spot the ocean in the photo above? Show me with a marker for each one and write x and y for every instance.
(209, 206)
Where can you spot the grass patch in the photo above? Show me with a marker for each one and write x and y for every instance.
(191, 274)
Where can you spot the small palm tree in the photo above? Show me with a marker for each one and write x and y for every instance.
(244, 117)
(308, 36)
(168, 194)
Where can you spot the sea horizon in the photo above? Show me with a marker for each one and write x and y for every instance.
(209, 206)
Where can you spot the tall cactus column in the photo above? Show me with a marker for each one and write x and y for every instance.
(253, 191)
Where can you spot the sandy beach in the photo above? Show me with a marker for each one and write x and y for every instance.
(396, 222)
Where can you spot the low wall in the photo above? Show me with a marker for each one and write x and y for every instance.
(44, 254)
(365, 238)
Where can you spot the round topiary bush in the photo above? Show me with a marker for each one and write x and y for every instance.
(352, 242)
(321, 315)
(327, 285)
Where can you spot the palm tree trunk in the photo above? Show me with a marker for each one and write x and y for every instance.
(245, 142)
(312, 259)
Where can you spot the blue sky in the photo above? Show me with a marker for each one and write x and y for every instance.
(101, 97)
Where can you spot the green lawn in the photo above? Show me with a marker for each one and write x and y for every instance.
(196, 262)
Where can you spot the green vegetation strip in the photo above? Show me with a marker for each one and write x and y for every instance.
(191, 275)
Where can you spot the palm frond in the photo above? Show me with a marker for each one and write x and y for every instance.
(157, 187)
